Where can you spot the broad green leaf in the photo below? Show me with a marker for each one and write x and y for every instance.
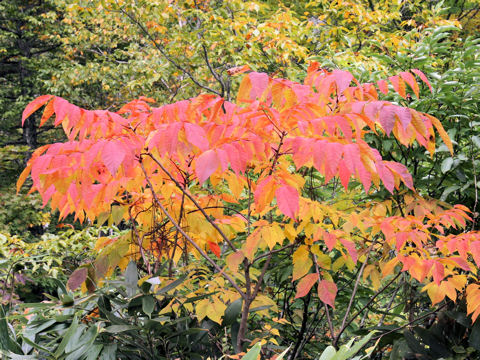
(253, 353)
(446, 164)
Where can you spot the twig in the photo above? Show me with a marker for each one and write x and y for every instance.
(188, 238)
(164, 52)
(201, 209)
(352, 297)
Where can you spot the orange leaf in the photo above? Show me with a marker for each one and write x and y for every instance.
(214, 248)
(441, 131)
(305, 284)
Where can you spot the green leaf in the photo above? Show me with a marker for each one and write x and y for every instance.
(232, 312)
(474, 338)
(66, 337)
(476, 140)
(115, 329)
(358, 345)
(282, 355)
(253, 353)
(37, 346)
(328, 354)
(148, 304)
(131, 278)
(446, 164)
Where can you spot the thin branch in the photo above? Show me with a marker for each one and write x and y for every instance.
(188, 238)
(202, 210)
(369, 302)
(164, 52)
(214, 73)
(354, 292)
(412, 322)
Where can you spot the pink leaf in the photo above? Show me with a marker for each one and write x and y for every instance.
(475, 251)
(404, 115)
(383, 86)
(206, 165)
(410, 80)
(196, 136)
(259, 83)
(327, 291)
(350, 246)
(342, 79)
(386, 176)
(387, 118)
(287, 200)
(422, 76)
(34, 106)
(112, 156)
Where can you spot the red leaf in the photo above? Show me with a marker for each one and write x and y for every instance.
(196, 136)
(438, 272)
(304, 285)
(327, 291)
(77, 278)
(112, 156)
(34, 106)
(287, 200)
(206, 165)
(214, 248)
(344, 174)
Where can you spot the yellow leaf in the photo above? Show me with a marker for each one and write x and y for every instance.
(389, 266)
(202, 308)
(338, 264)
(301, 262)
(234, 260)
(290, 232)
